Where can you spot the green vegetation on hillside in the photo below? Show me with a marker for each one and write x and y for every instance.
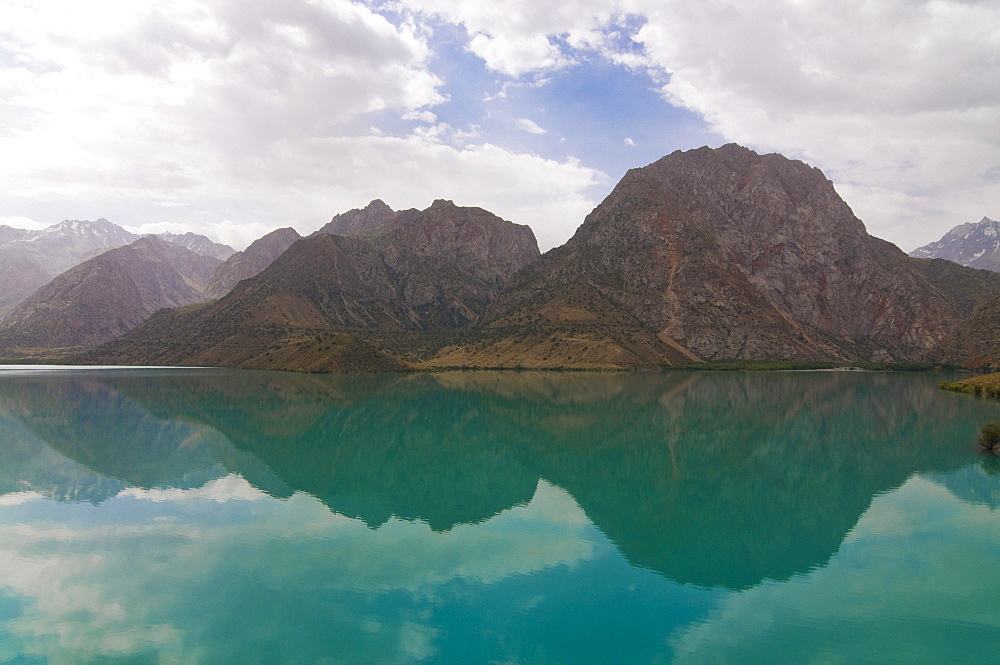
(986, 384)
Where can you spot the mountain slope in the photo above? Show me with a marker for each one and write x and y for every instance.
(975, 342)
(727, 254)
(975, 245)
(249, 262)
(20, 276)
(101, 298)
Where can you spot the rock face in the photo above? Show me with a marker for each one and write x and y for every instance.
(727, 254)
(429, 273)
(250, 262)
(976, 245)
(101, 298)
(374, 217)
(471, 238)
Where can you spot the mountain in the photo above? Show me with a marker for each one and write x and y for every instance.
(721, 254)
(472, 238)
(61, 246)
(336, 302)
(976, 245)
(29, 259)
(249, 262)
(199, 244)
(101, 298)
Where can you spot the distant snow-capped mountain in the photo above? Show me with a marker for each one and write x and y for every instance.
(199, 244)
(976, 245)
(30, 258)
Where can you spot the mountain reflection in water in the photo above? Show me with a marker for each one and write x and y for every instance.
(715, 480)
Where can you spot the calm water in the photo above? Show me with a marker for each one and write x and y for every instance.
(216, 516)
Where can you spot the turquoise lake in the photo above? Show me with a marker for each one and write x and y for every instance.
(223, 516)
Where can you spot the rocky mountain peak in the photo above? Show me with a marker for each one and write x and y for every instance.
(199, 244)
(975, 244)
(476, 240)
(374, 217)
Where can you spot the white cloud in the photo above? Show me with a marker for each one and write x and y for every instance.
(518, 37)
(290, 112)
(22, 223)
(548, 195)
(629, 142)
(231, 122)
(894, 100)
(898, 101)
(530, 126)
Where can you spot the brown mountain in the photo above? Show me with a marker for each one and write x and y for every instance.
(974, 342)
(101, 298)
(249, 262)
(430, 274)
(724, 254)
(471, 238)
(374, 217)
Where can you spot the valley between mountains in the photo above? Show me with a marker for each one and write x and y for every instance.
(704, 255)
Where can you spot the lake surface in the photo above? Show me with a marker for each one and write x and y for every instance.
(218, 516)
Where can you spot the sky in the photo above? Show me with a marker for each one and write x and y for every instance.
(234, 118)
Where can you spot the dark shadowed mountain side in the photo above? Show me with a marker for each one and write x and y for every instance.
(249, 262)
(639, 452)
(975, 342)
(965, 288)
(20, 276)
(101, 298)
(345, 297)
(975, 245)
(722, 254)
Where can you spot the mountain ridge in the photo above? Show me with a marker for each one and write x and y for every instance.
(29, 258)
(350, 295)
(706, 254)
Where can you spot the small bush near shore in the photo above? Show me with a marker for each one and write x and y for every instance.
(989, 437)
